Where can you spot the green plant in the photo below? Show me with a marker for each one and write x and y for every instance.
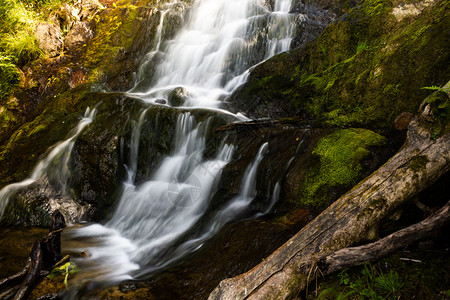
(389, 283)
(64, 270)
(436, 88)
(17, 31)
(361, 47)
(9, 75)
(372, 283)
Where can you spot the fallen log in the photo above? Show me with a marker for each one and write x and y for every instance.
(348, 221)
(353, 256)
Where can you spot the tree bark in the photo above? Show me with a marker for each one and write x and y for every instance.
(367, 253)
(351, 219)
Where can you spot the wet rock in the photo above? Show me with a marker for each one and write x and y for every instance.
(79, 34)
(178, 96)
(174, 19)
(49, 38)
(127, 286)
(403, 120)
(161, 101)
(35, 204)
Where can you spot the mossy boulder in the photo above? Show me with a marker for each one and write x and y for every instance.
(337, 162)
(364, 70)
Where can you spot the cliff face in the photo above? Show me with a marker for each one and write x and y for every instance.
(364, 70)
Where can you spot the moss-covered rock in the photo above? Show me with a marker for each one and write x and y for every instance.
(52, 91)
(364, 70)
(338, 164)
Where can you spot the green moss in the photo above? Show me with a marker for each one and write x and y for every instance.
(418, 163)
(339, 156)
(384, 77)
(115, 33)
(440, 107)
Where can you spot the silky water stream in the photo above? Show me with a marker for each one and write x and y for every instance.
(160, 220)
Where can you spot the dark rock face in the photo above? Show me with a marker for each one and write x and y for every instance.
(349, 75)
(35, 204)
(160, 101)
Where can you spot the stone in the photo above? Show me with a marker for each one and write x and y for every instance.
(427, 113)
(161, 101)
(403, 120)
(49, 38)
(79, 34)
(178, 96)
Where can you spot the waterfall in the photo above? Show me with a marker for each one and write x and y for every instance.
(281, 29)
(247, 191)
(211, 55)
(159, 220)
(54, 165)
(153, 216)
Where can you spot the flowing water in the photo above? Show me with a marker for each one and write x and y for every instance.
(211, 55)
(161, 219)
(54, 165)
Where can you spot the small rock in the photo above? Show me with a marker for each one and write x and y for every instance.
(49, 38)
(160, 101)
(427, 113)
(79, 34)
(403, 120)
(178, 96)
(127, 286)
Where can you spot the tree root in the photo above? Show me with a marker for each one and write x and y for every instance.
(45, 253)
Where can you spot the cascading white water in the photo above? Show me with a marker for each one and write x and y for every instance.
(152, 217)
(281, 29)
(248, 188)
(54, 164)
(153, 224)
(211, 55)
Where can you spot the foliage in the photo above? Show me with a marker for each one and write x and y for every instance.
(340, 155)
(390, 278)
(373, 283)
(64, 270)
(17, 31)
(9, 75)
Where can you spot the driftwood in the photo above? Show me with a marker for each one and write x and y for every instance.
(367, 253)
(350, 220)
(45, 253)
(258, 124)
